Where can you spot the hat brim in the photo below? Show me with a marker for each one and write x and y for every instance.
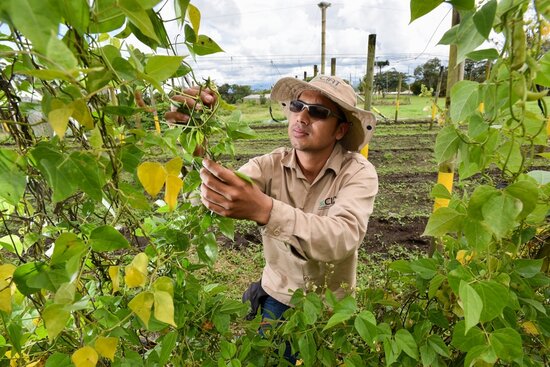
(362, 122)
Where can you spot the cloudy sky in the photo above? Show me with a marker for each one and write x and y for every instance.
(266, 40)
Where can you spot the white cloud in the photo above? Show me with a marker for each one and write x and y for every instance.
(265, 40)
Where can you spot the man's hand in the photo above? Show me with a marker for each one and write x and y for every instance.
(223, 192)
(189, 100)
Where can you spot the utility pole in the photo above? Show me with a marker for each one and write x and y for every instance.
(323, 5)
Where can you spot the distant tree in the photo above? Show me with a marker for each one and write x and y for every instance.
(234, 93)
(475, 70)
(389, 81)
(428, 74)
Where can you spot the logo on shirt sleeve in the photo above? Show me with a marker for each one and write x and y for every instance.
(327, 203)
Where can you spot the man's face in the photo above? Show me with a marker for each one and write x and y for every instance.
(311, 134)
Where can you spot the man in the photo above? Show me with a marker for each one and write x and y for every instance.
(312, 201)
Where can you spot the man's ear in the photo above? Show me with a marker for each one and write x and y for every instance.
(342, 129)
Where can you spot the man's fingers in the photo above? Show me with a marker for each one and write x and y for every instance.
(189, 102)
(222, 173)
(176, 117)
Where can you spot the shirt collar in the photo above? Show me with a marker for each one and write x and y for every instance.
(334, 161)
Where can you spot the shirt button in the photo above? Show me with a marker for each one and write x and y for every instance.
(276, 231)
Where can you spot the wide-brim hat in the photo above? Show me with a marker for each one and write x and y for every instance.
(341, 93)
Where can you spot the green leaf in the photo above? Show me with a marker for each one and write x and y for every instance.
(308, 349)
(336, 319)
(507, 344)
(36, 19)
(167, 342)
(525, 191)
(465, 341)
(406, 343)
(23, 274)
(479, 197)
(205, 46)
(440, 191)
(76, 13)
(463, 4)
(160, 67)
(446, 144)
(435, 283)
(480, 353)
(365, 324)
(67, 246)
(59, 360)
(484, 17)
(59, 54)
(543, 70)
(500, 213)
(528, 268)
(107, 15)
(439, 346)
(244, 177)
(13, 179)
(89, 176)
(494, 297)
(471, 304)
(542, 177)
(465, 100)
(422, 7)
(227, 227)
(426, 268)
(444, 220)
(55, 318)
(464, 35)
(141, 20)
(484, 54)
(107, 238)
(477, 234)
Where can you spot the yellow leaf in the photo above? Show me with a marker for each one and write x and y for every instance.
(135, 274)
(59, 119)
(141, 305)
(164, 307)
(152, 176)
(164, 284)
(85, 357)
(173, 166)
(140, 262)
(133, 277)
(530, 328)
(113, 274)
(106, 346)
(82, 114)
(173, 188)
(6, 273)
(460, 256)
(5, 297)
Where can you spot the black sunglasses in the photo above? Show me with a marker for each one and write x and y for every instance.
(314, 110)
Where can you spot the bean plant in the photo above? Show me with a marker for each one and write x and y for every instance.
(102, 232)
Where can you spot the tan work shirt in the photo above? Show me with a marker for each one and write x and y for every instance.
(315, 230)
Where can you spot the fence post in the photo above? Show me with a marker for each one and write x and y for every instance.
(398, 95)
(367, 87)
(333, 66)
